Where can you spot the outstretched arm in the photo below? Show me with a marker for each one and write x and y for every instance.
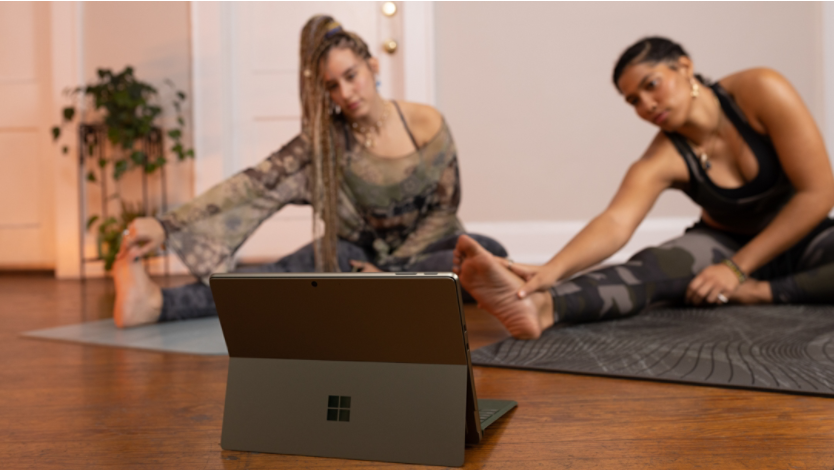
(207, 231)
(656, 171)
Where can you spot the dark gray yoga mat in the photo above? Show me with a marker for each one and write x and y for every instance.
(777, 348)
(201, 336)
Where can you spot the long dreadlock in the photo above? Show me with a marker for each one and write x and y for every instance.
(321, 127)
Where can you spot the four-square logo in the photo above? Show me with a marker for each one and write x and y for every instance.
(338, 408)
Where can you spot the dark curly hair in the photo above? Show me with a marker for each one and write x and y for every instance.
(654, 49)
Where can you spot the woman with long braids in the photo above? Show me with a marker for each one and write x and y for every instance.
(745, 149)
(381, 175)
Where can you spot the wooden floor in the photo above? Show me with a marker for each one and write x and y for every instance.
(65, 405)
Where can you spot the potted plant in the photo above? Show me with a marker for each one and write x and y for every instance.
(129, 110)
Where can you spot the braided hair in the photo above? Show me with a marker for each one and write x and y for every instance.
(321, 126)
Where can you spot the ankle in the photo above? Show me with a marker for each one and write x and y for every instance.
(544, 309)
(764, 292)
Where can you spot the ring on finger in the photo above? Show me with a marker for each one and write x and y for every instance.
(722, 298)
(509, 262)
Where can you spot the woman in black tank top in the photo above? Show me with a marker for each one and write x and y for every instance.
(745, 149)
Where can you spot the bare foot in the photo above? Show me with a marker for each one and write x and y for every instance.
(753, 292)
(495, 288)
(138, 299)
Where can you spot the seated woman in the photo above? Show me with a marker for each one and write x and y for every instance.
(382, 177)
(745, 149)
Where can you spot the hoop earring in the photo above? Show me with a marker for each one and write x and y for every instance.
(335, 109)
(696, 90)
(378, 83)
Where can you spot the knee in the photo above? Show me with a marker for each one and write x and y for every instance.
(672, 261)
(820, 251)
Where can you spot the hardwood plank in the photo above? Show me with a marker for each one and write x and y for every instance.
(65, 405)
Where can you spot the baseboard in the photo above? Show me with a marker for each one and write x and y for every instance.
(535, 242)
(155, 266)
(532, 242)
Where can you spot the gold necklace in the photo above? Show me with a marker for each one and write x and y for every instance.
(365, 132)
(703, 157)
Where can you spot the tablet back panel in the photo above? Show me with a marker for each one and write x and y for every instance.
(363, 366)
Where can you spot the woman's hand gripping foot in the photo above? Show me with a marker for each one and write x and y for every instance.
(495, 288)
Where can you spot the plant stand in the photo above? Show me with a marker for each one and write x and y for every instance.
(94, 145)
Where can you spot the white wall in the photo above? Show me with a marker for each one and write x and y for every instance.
(154, 38)
(543, 135)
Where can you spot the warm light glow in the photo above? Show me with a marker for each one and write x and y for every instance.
(389, 8)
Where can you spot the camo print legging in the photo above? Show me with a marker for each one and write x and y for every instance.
(803, 274)
(194, 300)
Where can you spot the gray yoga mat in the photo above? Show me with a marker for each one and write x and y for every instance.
(201, 336)
(776, 348)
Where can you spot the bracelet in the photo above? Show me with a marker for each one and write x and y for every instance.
(736, 270)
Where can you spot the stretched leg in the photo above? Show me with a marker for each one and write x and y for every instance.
(143, 302)
(495, 287)
(654, 274)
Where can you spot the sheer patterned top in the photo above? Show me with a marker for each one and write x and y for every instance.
(392, 207)
(749, 208)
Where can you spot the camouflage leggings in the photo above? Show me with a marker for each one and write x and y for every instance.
(194, 300)
(803, 274)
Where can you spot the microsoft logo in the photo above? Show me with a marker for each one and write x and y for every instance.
(338, 408)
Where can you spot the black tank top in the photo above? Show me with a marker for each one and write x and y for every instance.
(749, 208)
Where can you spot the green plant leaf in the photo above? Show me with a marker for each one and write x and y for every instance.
(102, 162)
(138, 157)
(65, 149)
(175, 133)
(181, 95)
(91, 177)
(119, 168)
(56, 133)
(91, 221)
(69, 113)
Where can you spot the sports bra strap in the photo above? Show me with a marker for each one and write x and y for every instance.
(402, 118)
